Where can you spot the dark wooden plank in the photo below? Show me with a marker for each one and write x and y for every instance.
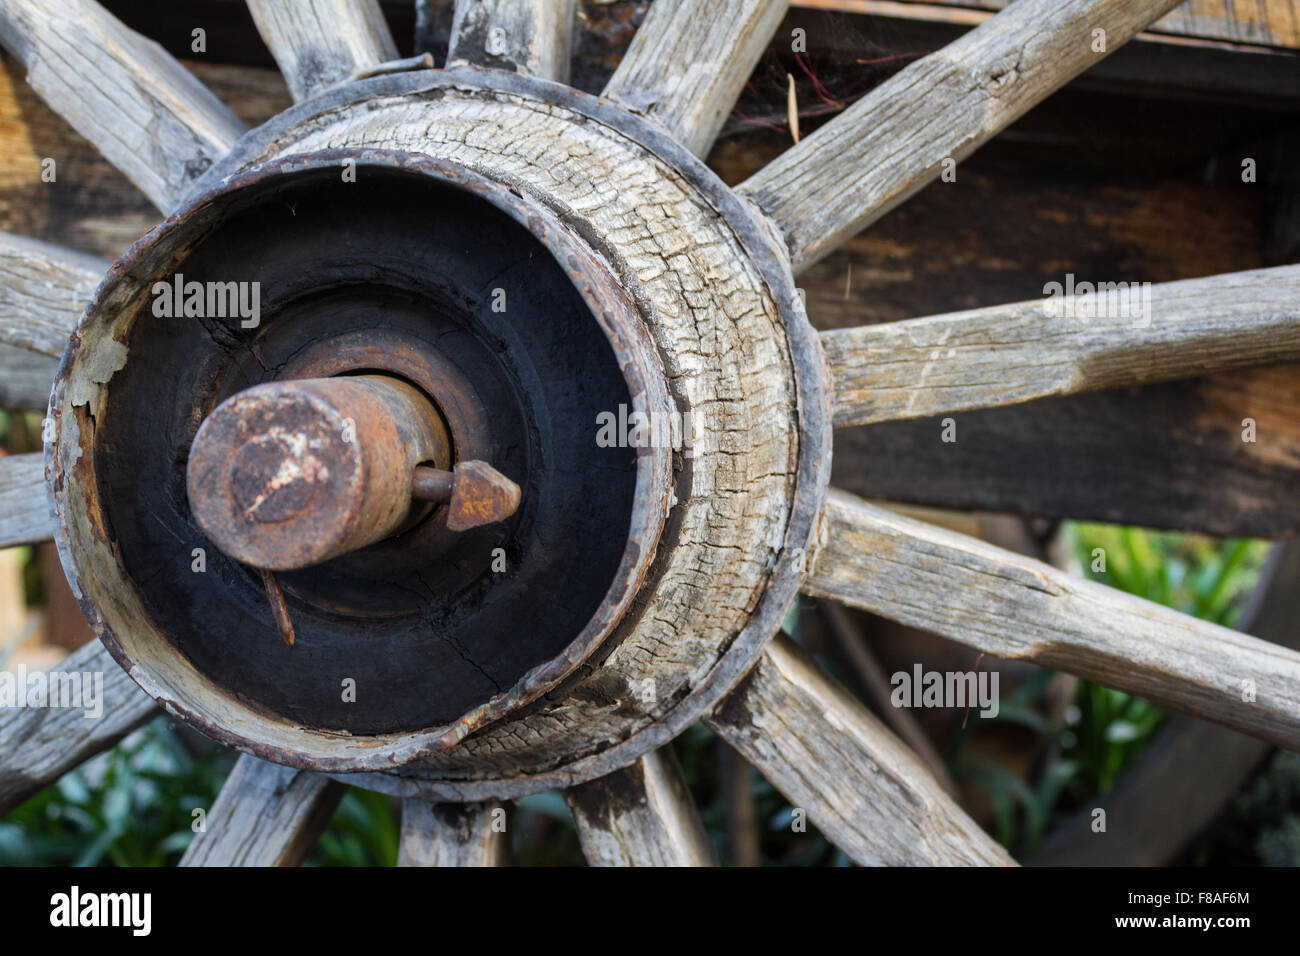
(1263, 22)
(1165, 456)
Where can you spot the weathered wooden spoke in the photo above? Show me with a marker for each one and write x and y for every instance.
(452, 834)
(841, 766)
(1196, 767)
(265, 815)
(897, 138)
(43, 290)
(1062, 345)
(1017, 608)
(40, 744)
(24, 511)
(320, 43)
(144, 111)
(526, 36)
(689, 61)
(641, 815)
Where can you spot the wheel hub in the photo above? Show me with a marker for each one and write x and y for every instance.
(640, 576)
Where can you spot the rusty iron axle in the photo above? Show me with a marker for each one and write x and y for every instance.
(286, 475)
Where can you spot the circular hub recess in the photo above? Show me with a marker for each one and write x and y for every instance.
(459, 270)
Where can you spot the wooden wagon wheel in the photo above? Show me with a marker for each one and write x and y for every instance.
(490, 262)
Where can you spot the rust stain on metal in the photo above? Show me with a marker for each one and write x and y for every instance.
(285, 475)
(476, 493)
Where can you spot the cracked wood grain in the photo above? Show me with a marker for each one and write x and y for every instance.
(526, 36)
(265, 815)
(24, 512)
(144, 111)
(40, 744)
(1010, 354)
(452, 834)
(1021, 609)
(830, 756)
(721, 337)
(642, 815)
(689, 61)
(895, 139)
(318, 43)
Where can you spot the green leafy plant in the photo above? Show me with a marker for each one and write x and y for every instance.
(1105, 730)
(132, 805)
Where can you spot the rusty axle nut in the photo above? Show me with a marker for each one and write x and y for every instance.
(475, 493)
(289, 474)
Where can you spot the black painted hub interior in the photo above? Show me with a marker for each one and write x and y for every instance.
(396, 273)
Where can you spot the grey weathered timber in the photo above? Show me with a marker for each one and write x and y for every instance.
(1061, 345)
(1021, 609)
(834, 761)
(25, 378)
(452, 834)
(319, 43)
(40, 744)
(24, 511)
(527, 36)
(897, 138)
(689, 61)
(265, 815)
(145, 112)
(44, 288)
(642, 815)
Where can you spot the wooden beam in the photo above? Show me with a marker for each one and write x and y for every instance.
(320, 43)
(452, 834)
(836, 763)
(526, 36)
(1263, 22)
(1173, 455)
(642, 815)
(265, 815)
(24, 511)
(40, 744)
(936, 111)
(144, 111)
(689, 61)
(1063, 344)
(1017, 608)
